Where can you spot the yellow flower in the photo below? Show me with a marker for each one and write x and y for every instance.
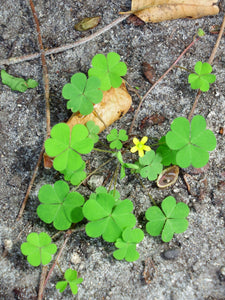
(140, 146)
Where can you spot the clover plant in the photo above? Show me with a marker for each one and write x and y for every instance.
(108, 70)
(59, 205)
(108, 219)
(82, 92)
(71, 279)
(168, 220)
(116, 138)
(191, 141)
(108, 216)
(65, 146)
(202, 79)
(17, 84)
(150, 165)
(38, 248)
(127, 244)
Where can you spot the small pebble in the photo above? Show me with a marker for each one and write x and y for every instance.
(75, 258)
(222, 270)
(95, 181)
(8, 244)
(171, 254)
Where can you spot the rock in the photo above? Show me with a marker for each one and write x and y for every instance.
(171, 254)
(95, 181)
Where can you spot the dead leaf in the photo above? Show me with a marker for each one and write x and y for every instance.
(161, 10)
(115, 103)
(155, 119)
(87, 23)
(149, 271)
(149, 72)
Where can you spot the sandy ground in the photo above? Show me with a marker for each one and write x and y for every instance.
(195, 268)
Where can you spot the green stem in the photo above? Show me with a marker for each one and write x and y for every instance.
(102, 150)
(152, 200)
(96, 170)
(183, 68)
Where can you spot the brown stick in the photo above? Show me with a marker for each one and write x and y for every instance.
(16, 60)
(43, 284)
(47, 107)
(160, 79)
(30, 184)
(45, 70)
(42, 281)
(210, 60)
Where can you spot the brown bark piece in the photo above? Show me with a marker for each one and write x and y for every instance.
(115, 103)
(161, 10)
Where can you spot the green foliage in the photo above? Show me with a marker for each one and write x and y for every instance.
(108, 218)
(38, 248)
(150, 165)
(202, 79)
(75, 176)
(124, 165)
(93, 131)
(64, 145)
(103, 190)
(192, 142)
(82, 92)
(116, 137)
(17, 84)
(201, 32)
(59, 205)
(108, 70)
(71, 278)
(127, 244)
(168, 155)
(169, 220)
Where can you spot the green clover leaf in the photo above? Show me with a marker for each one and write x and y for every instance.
(169, 220)
(150, 165)
(75, 176)
(17, 84)
(71, 278)
(82, 92)
(103, 190)
(168, 155)
(59, 205)
(38, 248)
(108, 218)
(64, 145)
(127, 245)
(116, 137)
(108, 70)
(192, 142)
(93, 131)
(203, 78)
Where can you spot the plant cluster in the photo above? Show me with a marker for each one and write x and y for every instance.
(106, 214)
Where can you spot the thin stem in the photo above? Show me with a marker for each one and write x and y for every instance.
(99, 117)
(68, 233)
(115, 178)
(58, 265)
(15, 60)
(102, 150)
(30, 184)
(144, 187)
(42, 281)
(92, 173)
(160, 79)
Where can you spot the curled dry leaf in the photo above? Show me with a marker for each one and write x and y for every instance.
(149, 72)
(115, 103)
(168, 177)
(87, 23)
(161, 10)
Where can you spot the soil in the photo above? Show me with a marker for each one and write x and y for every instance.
(191, 266)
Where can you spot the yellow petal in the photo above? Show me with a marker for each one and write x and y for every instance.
(146, 148)
(141, 153)
(144, 140)
(135, 141)
(133, 149)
